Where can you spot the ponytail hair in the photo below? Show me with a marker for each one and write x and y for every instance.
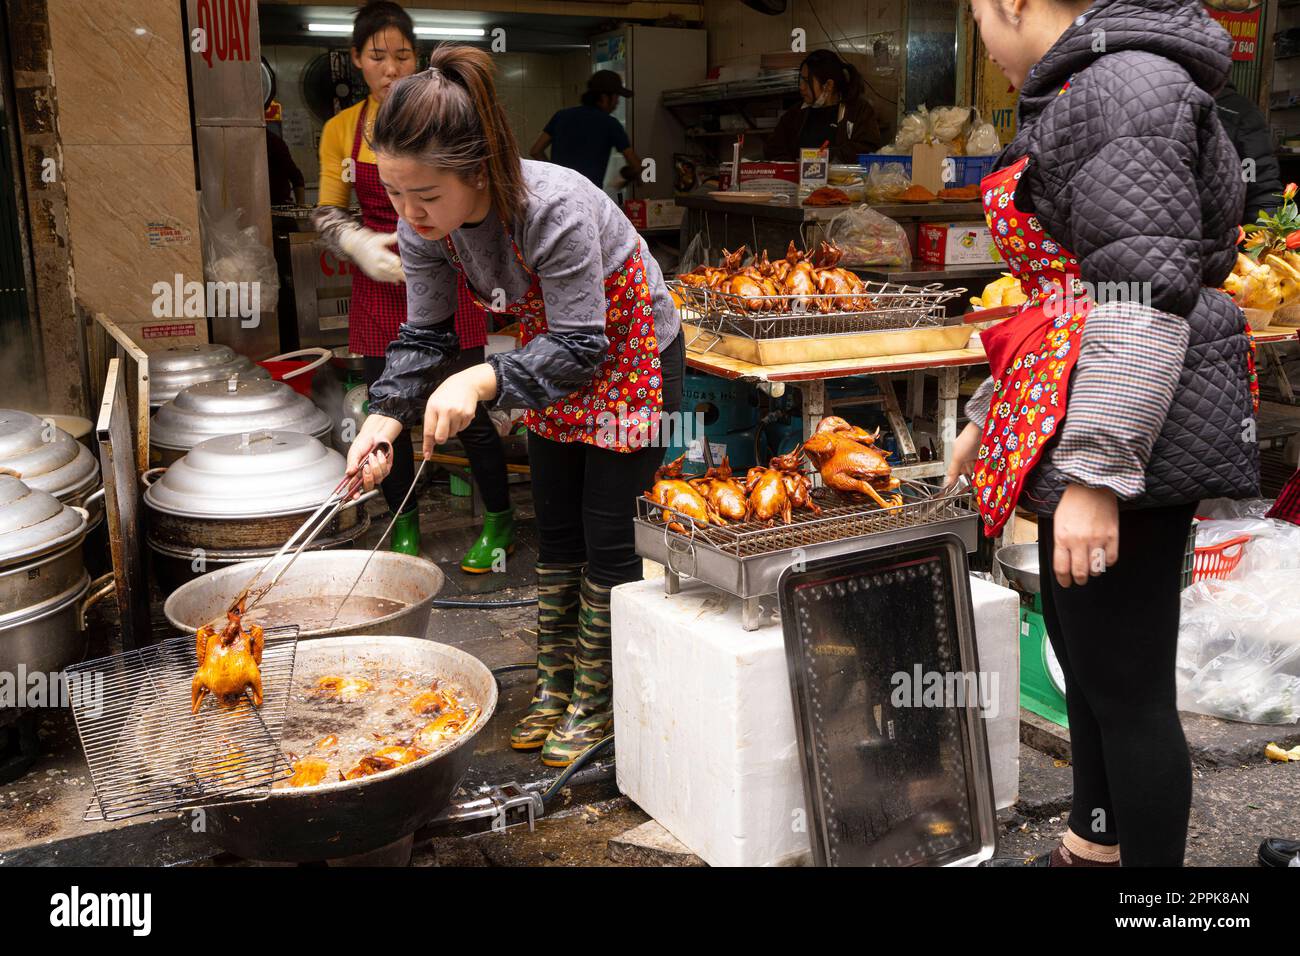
(450, 117)
(826, 65)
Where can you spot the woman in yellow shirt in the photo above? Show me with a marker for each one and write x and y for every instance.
(383, 48)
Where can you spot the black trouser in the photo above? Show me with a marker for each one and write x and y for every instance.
(483, 447)
(585, 497)
(1115, 638)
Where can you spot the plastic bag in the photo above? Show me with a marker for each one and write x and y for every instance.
(695, 254)
(869, 239)
(982, 139)
(1274, 545)
(947, 123)
(914, 129)
(885, 181)
(1239, 648)
(235, 255)
(1234, 507)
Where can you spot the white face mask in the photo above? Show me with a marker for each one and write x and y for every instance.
(823, 98)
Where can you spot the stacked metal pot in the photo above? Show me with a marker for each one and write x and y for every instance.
(230, 406)
(44, 587)
(172, 370)
(239, 497)
(46, 458)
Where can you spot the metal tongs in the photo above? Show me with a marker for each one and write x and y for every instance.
(331, 506)
(945, 495)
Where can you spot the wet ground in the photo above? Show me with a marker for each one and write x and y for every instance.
(1238, 799)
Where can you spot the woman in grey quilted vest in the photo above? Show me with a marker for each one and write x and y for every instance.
(1119, 395)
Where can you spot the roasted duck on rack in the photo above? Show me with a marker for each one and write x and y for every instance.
(673, 490)
(723, 493)
(229, 661)
(799, 282)
(850, 463)
(775, 491)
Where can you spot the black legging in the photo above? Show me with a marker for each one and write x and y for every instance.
(1115, 638)
(483, 447)
(585, 497)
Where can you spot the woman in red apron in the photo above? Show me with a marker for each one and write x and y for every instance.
(1119, 394)
(383, 48)
(601, 360)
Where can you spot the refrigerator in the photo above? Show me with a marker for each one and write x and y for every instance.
(651, 60)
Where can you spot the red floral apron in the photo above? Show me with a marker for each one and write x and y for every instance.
(620, 409)
(1031, 355)
(378, 309)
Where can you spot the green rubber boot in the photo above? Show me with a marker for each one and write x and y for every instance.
(557, 635)
(406, 533)
(590, 715)
(496, 540)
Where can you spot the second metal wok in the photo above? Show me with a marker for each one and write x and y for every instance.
(315, 578)
(350, 818)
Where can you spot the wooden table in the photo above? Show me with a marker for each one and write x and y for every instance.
(810, 378)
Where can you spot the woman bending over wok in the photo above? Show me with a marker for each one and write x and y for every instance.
(601, 358)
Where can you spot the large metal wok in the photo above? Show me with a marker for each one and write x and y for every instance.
(315, 578)
(349, 818)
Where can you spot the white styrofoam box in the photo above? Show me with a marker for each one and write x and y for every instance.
(705, 723)
(997, 642)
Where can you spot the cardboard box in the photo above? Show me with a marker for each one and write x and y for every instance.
(955, 243)
(927, 165)
(653, 213)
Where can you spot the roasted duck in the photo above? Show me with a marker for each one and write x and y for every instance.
(723, 493)
(849, 462)
(799, 282)
(445, 726)
(345, 689)
(308, 772)
(229, 661)
(432, 701)
(673, 490)
(368, 766)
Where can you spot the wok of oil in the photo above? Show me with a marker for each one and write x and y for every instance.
(379, 717)
(315, 613)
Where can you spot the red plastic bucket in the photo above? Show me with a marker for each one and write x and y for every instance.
(299, 383)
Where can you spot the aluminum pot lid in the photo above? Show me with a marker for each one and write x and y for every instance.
(33, 521)
(173, 369)
(231, 407)
(44, 456)
(251, 475)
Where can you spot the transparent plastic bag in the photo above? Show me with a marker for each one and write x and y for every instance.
(238, 256)
(885, 181)
(1234, 507)
(869, 239)
(982, 139)
(1239, 648)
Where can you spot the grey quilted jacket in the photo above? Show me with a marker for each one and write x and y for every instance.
(1130, 170)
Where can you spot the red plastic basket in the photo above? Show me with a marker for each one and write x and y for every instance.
(1219, 560)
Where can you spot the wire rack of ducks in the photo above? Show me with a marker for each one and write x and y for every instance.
(802, 294)
(854, 472)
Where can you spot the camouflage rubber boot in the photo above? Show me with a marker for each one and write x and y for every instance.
(557, 634)
(590, 715)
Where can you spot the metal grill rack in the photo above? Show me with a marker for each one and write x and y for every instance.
(147, 753)
(878, 307)
(747, 558)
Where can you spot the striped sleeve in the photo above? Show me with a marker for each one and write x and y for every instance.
(1130, 359)
(977, 406)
